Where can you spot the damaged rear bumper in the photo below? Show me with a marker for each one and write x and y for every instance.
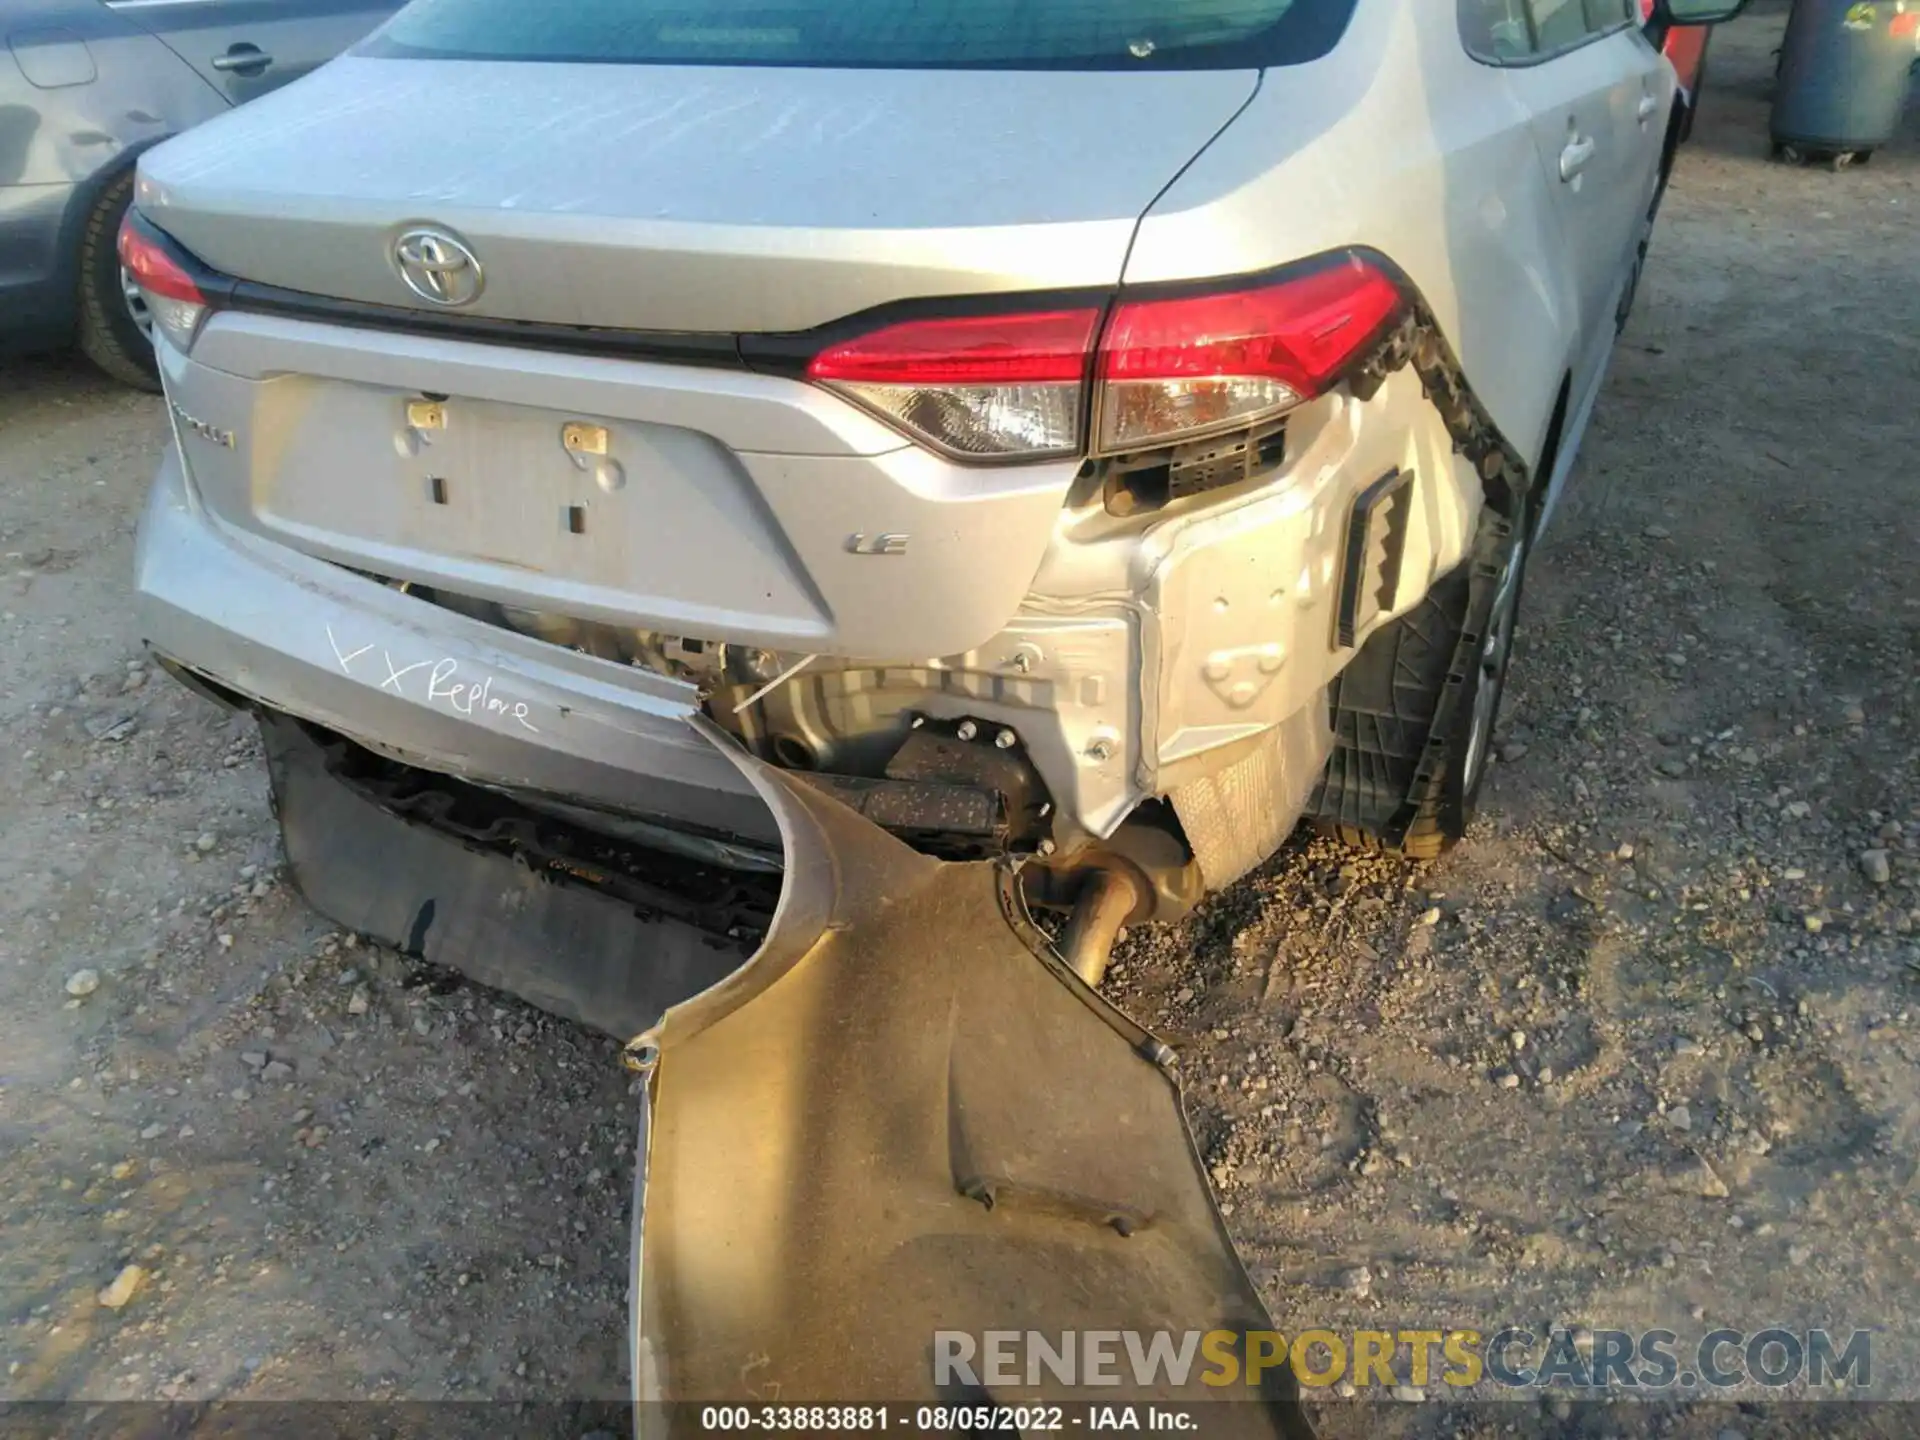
(438, 690)
(903, 1123)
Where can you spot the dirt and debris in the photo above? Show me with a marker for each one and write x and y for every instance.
(1642, 1053)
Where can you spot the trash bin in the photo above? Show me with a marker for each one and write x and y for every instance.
(1843, 77)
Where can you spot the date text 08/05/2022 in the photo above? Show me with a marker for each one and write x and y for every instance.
(938, 1419)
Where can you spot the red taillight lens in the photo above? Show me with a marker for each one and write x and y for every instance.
(987, 386)
(174, 301)
(155, 271)
(1206, 362)
(1042, 349)
(1015, 386)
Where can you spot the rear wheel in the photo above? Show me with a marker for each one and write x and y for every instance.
(115, 328)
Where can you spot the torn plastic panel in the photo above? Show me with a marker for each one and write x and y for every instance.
(904, 1116)
(511, 900)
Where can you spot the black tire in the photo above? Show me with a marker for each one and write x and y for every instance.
(109, 335)
(1384, 704)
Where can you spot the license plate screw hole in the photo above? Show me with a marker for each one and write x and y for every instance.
(576, 519)
(437, 488)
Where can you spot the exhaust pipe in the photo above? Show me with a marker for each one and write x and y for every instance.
(1109, 897)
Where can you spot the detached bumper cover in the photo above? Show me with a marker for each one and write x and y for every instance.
(904, 1117)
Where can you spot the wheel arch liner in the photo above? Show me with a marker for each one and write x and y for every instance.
(1426, 787)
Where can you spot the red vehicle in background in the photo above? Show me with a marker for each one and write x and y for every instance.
(1686, 51)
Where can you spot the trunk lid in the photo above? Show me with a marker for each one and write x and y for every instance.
(687, 198)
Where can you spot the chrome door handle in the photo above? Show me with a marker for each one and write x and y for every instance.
(243, 60)
(1574, 158)
(1647, 107)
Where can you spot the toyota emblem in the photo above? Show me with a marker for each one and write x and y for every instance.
(438, 267)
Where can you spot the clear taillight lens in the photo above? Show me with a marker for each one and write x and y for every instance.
(174, 301)
(1197, 364)
(1018, 386)
(990, 387)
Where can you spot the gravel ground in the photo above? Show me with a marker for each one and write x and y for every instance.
(1641, 1053)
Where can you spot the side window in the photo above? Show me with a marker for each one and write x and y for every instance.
(1497, 31)
(1558, 24)
(1605, 15)
(1518, 32)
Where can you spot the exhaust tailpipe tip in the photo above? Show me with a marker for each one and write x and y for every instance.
(1109, 897)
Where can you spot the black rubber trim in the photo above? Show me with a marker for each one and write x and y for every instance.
(1372, 501)
(1370, 764)
(1383, 705)
(672, 347)
(788, 352)
(224, 292)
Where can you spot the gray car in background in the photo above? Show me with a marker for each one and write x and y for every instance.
(85, 88)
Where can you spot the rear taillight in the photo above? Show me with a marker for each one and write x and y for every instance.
(1175, 368)
(1019, 386)
(985, 386)
(173, 299)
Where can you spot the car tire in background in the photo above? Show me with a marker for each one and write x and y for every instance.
(111, 334)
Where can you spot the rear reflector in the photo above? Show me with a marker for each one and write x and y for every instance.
(174, 301)
(986, 386)
(1018, 386)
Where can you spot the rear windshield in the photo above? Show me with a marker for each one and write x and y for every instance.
(895, 34)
